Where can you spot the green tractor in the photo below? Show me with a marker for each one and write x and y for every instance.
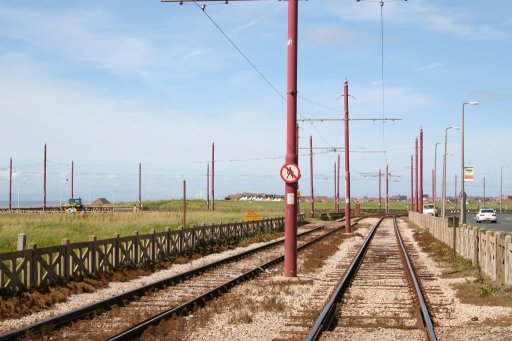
(73, 205)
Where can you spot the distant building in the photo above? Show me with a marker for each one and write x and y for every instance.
(100, 201)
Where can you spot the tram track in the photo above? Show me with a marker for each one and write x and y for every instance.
(116, 317)
(379, 295)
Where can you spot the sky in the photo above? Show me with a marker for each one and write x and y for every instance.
(110, 84)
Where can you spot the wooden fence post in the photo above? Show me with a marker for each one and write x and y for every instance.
(65, 258)
(92, 254)
(168, 242)
(136, 255)
(22, 241)
(116, 250)
(33, 280)
(153, 245)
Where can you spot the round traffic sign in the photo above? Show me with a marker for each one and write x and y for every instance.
(290, 173)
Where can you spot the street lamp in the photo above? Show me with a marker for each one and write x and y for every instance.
(434, 194)
(463, 193)
(501, 185)
(444, 169)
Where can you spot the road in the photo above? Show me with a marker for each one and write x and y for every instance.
(504, 222)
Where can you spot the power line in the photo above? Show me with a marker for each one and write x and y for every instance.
(269, 83)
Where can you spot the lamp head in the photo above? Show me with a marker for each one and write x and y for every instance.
(472, 102)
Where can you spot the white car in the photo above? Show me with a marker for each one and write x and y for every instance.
(430, 209)
(486, 214)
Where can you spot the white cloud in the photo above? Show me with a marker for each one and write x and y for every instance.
(421, 13)
(324, 34)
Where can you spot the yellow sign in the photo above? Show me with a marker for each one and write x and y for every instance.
(251, 216)
(298, 194)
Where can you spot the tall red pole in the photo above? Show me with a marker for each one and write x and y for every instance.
(387, 189)
(484, 193)
(208, 185)
(347, 161)
(417, 179)
(380, 191)
(421, 170)
(213, 176)
(311, 175)
(44, 180)
(184, 204)
(338, 188)
(10, 185)
(334, 200)
(72, 179)
(140, 186)
(412, 185)
(290, 244)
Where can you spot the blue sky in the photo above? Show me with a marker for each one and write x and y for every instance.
(113, 83)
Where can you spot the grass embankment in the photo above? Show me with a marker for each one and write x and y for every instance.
(50, 229)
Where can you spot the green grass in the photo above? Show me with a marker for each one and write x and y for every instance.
(50, 229)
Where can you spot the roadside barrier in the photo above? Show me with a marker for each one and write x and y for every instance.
(492, 251)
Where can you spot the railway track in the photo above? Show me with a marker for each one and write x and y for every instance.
(379, 296)
(127, 316)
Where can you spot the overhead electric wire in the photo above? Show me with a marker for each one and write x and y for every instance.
(269, 83)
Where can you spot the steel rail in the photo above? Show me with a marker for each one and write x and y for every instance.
(327, 315)
(137, 330)
(428, 325)
(124, 298)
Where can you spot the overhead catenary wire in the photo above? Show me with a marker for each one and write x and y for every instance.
(253, 66)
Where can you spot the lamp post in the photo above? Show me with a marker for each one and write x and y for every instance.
(444, 170)
(501, 186)
(463, 194)
(434, 192)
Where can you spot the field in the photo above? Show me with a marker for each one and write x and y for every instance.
(50, 229)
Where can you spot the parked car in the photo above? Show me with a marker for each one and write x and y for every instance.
(486, 214)
(430, 209)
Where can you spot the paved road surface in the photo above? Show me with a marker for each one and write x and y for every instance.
(504, 222)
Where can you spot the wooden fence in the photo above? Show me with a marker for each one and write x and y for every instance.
(35, 267)
(492, 251)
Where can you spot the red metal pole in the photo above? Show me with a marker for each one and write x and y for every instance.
(72, 179)
(208, 185)
(412, 185)
(44, 180)
(140, 186)
(10, 185)
(380, 191)
(290, 244)
(311, 175)
(184, 204)
(334, 200)
(484, 193)
(338, 188)
(417, 180)
(421, 170)
(347, 162)
(387, 189)
(213, 176)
